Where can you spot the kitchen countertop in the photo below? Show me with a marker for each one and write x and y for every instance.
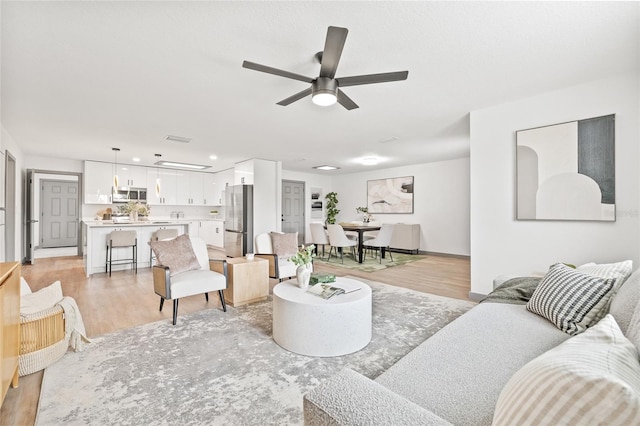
(152, 222)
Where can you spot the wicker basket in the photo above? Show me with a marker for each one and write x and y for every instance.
(42, 340)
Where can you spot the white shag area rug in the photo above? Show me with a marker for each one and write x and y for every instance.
(223, 368)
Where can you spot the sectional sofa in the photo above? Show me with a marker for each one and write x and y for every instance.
(465, 373)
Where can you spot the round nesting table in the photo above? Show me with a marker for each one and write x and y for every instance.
(310, 325)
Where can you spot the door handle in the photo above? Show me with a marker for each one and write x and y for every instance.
(33, 221)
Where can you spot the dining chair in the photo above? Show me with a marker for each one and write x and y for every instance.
(319, 236)
(338, 240)
(382, 240)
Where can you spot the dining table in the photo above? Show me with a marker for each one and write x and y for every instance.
(361, 229)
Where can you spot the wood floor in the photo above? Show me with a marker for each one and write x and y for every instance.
(126, 300)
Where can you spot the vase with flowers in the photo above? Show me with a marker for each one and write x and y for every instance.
(366, 217)
(304, 260)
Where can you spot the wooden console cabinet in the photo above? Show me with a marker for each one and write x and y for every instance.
(248, 281)
(9, 326)
(406, 236)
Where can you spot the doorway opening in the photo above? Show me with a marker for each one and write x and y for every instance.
(293, 207)
(53, 214)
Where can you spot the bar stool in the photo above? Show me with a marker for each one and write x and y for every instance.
(120, 239)
(161, 235)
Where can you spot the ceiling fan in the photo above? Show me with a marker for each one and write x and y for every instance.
(325, 89)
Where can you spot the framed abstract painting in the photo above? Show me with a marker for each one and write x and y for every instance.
(393, 195)
(567, 171)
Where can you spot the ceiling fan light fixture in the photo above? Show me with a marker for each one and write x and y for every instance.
(325, 91)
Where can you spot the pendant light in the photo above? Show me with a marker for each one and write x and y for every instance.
(115, 171)
(158, 175)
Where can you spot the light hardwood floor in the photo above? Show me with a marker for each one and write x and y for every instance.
(126, 300)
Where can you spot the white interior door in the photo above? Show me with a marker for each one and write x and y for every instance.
(293, 208)
(59, 214)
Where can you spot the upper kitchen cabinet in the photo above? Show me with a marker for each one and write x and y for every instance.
(98, 182)
(162, 186)
(215, 185)
(191, 191)
(132, 176)
(244, 173)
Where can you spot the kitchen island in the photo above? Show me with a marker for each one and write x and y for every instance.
(95, 236)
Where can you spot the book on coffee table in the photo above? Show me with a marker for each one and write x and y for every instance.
(328, 290)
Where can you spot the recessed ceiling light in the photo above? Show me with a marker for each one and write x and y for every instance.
(213, 157)
(369, 161)
(135, 159)
(178, 139)
(181, 165)
(325, 167)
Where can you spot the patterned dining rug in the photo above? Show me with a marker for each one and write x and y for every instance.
(223, 368)
(369, 264)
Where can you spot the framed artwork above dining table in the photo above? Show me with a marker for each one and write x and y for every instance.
(391, 195)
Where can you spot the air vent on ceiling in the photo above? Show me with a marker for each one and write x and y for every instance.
(178, 139)
(391, 139)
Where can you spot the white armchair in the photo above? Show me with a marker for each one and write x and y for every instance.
(279, 268)
(211, 276)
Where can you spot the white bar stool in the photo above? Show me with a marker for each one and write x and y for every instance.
(120, 239)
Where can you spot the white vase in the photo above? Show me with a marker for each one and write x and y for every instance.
(303, 274)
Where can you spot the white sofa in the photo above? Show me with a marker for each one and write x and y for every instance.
(456, 376)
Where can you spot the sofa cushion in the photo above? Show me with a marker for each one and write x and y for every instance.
(284, 245)
(618, 270)
(593, 378)
(458, 372)
(570, 299)
(42, 299)
(177, 254)
(624, 302)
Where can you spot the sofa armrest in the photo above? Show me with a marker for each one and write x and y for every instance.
(273, 263)
(351, 398)
(220, 266)
(162, 281)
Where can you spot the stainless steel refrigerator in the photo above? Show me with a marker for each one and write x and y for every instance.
(238, 221)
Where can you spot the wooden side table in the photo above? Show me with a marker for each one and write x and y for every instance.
(248, 281)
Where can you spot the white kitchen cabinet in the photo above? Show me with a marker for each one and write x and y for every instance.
(212, 231)
(244, 173)
(190, 189)
(215, 185)
(132, 176)
(167, 180)
(98, 182)
(196, 188)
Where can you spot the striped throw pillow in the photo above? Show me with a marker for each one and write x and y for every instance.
(619, 270)
(567, 298)
(590, 379)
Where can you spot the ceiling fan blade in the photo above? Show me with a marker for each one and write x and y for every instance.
(333, 46)
(275, 71)
(372, 78)
(296, 97)
(346, 101)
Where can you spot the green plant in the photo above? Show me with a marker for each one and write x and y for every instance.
(304, 256)
(362, 209)
(332, 210)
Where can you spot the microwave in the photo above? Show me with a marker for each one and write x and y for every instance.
(125, 194)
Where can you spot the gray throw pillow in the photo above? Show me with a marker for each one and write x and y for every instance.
(284, 245)
(177, 254)
(573, 301)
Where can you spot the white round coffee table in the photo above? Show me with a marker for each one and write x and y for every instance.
(310, 325)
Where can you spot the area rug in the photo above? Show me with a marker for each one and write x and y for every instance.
(223, 368)
(370, 264)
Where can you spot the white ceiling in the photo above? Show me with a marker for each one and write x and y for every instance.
(79, 78)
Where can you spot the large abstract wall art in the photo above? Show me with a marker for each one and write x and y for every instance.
(567, 171)
(393, 195)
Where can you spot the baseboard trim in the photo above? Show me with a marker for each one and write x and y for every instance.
(476, 297)
(434, 253)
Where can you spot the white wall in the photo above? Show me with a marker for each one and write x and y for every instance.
(441, 202)
(502, 245)
(9, 144)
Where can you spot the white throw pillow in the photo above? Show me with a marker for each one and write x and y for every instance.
(24, 287)
(42, 299)
(590, 379)
(619, 270)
